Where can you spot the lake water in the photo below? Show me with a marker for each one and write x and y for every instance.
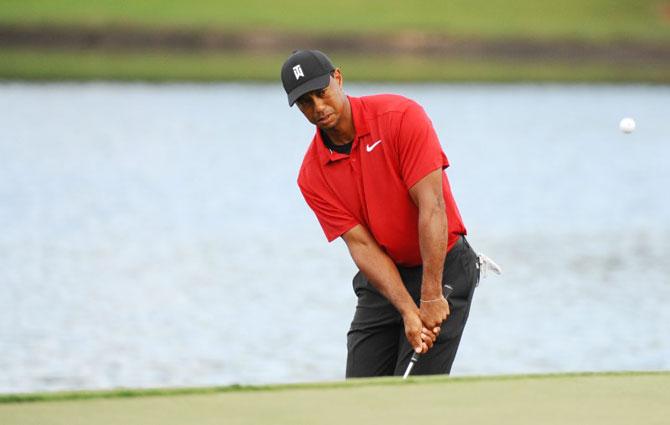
(153, 235)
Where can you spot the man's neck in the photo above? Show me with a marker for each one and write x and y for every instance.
(344, 132)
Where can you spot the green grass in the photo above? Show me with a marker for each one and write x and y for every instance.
(135, 66)
(49, 65)
(597, 21)
(581, 19)
(611, 399)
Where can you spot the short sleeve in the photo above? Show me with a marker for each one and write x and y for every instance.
(418, 145)
(335, 220)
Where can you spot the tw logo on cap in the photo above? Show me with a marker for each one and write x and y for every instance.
(297, 71)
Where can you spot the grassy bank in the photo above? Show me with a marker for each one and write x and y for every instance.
(588, 19)
(611, 399)
(571, 29)
(50, 65)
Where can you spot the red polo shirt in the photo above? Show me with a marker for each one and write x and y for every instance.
(395, 146)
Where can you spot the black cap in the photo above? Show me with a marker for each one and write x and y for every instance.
(304, 71)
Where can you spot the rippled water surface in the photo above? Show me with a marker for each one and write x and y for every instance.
(153, 235)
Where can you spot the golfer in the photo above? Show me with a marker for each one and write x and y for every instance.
(374, 176)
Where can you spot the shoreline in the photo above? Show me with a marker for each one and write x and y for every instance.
(139, 53)
(117, 38)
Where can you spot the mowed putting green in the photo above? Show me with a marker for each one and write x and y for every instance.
(611, 399)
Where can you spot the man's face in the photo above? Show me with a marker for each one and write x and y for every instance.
(324, 107)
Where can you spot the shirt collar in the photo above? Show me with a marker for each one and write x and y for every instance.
(360, 124)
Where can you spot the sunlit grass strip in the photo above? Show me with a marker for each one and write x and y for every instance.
(411, 69)
(50, 65)
(389, 381)
(135, 66)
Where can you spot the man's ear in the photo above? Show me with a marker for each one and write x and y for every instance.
(337, 75)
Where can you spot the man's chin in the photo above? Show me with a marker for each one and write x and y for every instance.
(325, 127)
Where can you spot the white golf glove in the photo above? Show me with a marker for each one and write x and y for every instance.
(487, 265)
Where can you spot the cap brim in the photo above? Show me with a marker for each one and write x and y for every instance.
(306, 87)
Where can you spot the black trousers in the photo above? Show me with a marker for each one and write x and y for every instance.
(376, 341)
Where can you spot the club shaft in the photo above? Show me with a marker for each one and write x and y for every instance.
(412, 361)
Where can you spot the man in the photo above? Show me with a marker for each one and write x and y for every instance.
(373, 175)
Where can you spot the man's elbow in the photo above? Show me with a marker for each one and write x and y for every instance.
(357, 238)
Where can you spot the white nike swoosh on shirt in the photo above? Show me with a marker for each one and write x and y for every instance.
(370, 148)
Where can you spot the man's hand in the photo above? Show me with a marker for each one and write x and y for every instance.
(433, 313)
(419, 337)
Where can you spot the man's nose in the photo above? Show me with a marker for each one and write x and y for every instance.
(319, 104)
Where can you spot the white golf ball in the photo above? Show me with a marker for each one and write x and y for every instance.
(627, 125)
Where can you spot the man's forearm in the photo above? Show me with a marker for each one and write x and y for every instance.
(383, 274)
(380, 270)
(433, 236)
